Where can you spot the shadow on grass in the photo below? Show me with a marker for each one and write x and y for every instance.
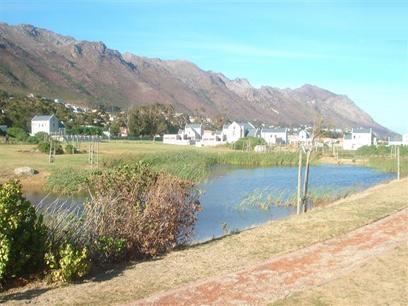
(25, 295)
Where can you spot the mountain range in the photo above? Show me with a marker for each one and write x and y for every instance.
(35, 60)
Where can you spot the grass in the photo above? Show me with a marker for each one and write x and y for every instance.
(191, 163)
(381, 281)
(231, 253)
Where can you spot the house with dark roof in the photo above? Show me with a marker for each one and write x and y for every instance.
(236, 130)
(193, 131)
(359, 137)
(395, 140)
(46, 123)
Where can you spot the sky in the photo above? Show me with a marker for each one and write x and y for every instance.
(355, 48)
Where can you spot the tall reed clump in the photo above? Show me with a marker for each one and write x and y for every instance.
(389, 164)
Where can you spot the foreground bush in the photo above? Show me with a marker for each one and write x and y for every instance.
(68, 264)
(138, 211)
(22, 234)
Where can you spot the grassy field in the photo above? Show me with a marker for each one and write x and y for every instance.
(185, 162)
(381, 281)
(231, 253)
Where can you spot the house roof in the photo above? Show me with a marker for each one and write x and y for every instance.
(395, 138)
(361, 130)
(193, 125)
(347, 136)
(42, 118)
(246, 125)
(274, 130)
(252, 132)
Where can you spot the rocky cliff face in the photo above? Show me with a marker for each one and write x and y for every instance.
(40, 61)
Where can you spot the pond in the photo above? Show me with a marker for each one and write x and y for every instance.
(227, 199)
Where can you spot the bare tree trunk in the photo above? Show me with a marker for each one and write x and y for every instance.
(306, 181)
(299, 183)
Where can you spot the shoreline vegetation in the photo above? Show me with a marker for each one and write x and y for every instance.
(232, 252)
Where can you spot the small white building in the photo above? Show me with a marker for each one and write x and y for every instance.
(358, 138)
(236, 130)
(395, 140)
(275, 135)
(48, 124)
(193, 131)
(304, 136)
(211, 138)
(405, 139)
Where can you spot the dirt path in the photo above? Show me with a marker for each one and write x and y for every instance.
(296, 271)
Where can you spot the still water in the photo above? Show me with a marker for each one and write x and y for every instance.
(225, 197)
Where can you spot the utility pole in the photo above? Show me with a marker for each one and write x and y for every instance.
(299, 183)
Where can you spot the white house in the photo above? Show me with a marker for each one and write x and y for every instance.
(193, 131)
(405, 139)
(236, 130)
(357, 138)
(211, 138)
(48, 124)
(395, 140)
(275, 135)
(304, 136)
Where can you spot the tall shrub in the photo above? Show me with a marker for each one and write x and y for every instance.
(149, 212)
(22, 233)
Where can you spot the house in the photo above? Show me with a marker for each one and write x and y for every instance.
(211, 138)
(236, 130)
(275, 135)
(193, 131)
(304, 136)
(405, 139)
(176, 139)
(395, 140)
(48, 124)
(358, 137)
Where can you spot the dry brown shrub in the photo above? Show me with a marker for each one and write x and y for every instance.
(151, 212)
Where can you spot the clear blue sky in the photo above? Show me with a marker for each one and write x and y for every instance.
(357, 48)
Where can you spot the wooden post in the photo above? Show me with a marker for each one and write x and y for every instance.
(299, 183)
(398, 163)
(97, 153)
(49, 156)
(306, 180)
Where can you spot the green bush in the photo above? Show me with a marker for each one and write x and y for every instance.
(44, 147)
(247, 143)
(22, 233)
(17, 133)
(109, 250)
(70, 149)
(69, 264)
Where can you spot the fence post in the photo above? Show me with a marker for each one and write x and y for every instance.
(306, 181)
(398, 163)
(299, 182)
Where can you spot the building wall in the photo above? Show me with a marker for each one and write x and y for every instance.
(233, 132)
(361, 139)
(47, 126)
(271, 137)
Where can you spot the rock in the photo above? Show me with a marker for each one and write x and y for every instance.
(28, 171)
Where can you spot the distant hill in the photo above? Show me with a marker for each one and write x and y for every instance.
(88, 73)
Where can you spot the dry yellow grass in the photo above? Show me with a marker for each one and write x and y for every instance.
(228, 254)
(381, 281)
